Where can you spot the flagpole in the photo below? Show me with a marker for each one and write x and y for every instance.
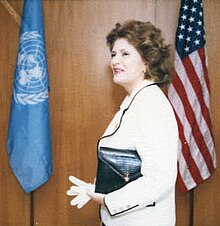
(191, 207)
(32, 208)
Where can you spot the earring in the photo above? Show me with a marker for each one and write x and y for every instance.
(145, 68)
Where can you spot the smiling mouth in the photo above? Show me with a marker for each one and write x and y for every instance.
(117, 71)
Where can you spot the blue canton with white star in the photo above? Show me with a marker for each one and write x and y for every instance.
(190, 34)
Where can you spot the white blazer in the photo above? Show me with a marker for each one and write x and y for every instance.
(148, 126)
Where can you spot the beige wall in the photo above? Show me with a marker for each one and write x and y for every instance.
(83, 100)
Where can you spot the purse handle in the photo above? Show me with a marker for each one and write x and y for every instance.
(109, 135)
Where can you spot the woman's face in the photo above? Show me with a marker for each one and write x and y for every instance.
(127, 65)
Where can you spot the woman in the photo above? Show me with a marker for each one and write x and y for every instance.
(140, 62)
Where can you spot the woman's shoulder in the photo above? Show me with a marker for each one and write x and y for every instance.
(152, 101)
(152, 95)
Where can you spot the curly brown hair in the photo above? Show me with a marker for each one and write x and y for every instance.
(148, 41)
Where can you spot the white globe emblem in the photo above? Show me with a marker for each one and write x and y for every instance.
(31, 82)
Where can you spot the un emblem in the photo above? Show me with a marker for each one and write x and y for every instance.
(31, 81)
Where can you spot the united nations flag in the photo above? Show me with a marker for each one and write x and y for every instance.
(29, 141)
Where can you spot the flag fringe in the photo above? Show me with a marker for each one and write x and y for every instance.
(11, 11)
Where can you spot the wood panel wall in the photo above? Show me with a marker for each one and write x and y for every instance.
(83, 100)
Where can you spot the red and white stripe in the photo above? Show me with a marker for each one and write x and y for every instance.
(189, 94)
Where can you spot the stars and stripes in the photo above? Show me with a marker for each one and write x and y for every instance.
(189, 94)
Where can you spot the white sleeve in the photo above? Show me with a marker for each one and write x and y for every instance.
(155, 135)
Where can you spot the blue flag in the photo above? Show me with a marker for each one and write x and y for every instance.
(29, 141)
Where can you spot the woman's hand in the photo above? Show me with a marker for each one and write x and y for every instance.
(97, 197)
(83, 192)
(79, 190)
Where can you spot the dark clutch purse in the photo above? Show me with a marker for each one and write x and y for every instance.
(116, 168)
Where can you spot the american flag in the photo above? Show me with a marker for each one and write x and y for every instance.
(189, 94)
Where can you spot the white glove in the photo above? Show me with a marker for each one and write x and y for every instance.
(80, 191)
